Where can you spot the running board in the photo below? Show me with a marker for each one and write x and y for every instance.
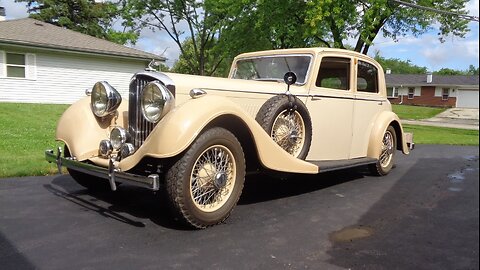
(332, 165)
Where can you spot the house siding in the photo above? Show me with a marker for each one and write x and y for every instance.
(429, 97)
(62, 78)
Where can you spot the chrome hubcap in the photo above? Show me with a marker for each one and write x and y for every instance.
(288, 131)
(387, 149)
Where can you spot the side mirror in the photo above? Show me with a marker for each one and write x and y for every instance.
(289, 78)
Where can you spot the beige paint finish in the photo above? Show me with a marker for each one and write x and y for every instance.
(346, 124)
(82, 132)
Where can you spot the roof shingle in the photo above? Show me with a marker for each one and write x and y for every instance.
(421, 80)
(32, 32)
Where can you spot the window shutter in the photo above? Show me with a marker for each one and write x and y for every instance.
(31, 66)
(3, 69)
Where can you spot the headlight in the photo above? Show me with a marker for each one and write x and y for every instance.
(156, 101)
(118, 136)
(104, 99)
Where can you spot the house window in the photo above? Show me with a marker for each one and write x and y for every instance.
(445, 93)
(334, 73)
(392, 92)
(411, 92)
(16, 65)
(367, 77)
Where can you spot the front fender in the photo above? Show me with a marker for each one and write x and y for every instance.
(82, 132)
(382, 122)
(179, 128)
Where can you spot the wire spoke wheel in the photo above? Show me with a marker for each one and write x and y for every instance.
(205, 183)
(213, 178)
(288, 131)
(386, 159)
(387, 149)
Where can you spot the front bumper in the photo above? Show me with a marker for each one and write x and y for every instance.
(111, 173)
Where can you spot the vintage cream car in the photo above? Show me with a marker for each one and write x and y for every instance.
(302, 111)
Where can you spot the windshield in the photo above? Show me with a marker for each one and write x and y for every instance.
(272, 68)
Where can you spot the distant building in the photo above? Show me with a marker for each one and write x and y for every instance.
(433, 90)
(44, 63)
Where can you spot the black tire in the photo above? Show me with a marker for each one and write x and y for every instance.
(279, 107)
(204, 185)
(85, 180)
(386, 160)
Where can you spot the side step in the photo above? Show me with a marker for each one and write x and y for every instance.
(332, 165)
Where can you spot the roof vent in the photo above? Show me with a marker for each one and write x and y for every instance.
(429, 77)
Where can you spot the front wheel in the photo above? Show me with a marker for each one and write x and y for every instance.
(204, 185)
(387, 155)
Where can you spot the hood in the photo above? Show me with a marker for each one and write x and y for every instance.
(184, 83)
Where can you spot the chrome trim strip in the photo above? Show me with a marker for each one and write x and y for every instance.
(112, 174)
(297, 95)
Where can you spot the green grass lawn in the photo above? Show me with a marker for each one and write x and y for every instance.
(26, 131)
(409, 112)
(438, 135)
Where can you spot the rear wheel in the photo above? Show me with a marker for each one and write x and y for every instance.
(387, 155)
(204, 185)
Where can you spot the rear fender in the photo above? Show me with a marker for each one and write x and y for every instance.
(383, 121)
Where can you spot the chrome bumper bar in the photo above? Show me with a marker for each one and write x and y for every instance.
(111, 173)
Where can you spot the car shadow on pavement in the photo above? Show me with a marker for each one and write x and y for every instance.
(130, 204)
(262, 187)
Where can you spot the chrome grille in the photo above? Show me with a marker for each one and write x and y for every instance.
(138, 127)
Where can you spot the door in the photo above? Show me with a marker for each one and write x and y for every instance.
(330, 104)
(370, 100)
(467, 98)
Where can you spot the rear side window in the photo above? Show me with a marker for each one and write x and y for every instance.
(334, 73)
(367, 77)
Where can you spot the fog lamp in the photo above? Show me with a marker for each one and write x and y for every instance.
(118, 136)
(105, 148)
(127, 150)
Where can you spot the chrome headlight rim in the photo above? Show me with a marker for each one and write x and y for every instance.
(156, 101)
(104, 99)
(118, 137)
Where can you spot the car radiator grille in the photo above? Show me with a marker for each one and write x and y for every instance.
(138, 127)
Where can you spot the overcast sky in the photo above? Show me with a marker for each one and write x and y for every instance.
(426, 50)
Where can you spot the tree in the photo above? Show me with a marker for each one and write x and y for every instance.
(172, 17)
(183, 65)
(398, 66)
(365, 20)
(84, 16)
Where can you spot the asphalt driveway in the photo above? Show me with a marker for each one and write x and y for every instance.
(424, 215)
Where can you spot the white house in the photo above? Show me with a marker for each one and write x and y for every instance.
(44, 63)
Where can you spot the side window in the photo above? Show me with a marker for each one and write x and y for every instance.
(334, 73)
(15, 64)
(367, 77)
(411, 92)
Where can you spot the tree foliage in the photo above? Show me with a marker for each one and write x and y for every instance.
(84, 16)
(398, 66)
(339, 20)
(181, 20)
(472, 70)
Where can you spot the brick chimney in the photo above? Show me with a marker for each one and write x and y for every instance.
(2, 14)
